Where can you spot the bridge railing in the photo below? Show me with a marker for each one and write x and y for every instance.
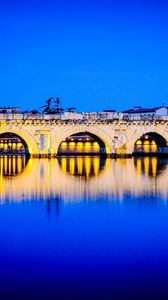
(28, 116)
(82, 117)
(149, 118)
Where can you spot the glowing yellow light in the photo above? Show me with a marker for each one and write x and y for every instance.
(30, 150)
(96, 165)
(139, 166)
(5, 164)
(87, 144)
(1, 172)
(64, 164)
(19, 165)
(87, 166)
(80, 165)
(146, 148)
(146, 142)
(51, 150)
(80, 144)
(14, 166)
(9, 166)
(72, 165)
(19, 145)
(29, 165)
(139, 142)
(154, 165)
(146, 165)
(96, 145)
(63, 144)
(72, 144)
(153, 148)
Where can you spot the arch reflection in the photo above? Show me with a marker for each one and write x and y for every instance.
(150, 166)
(84, 166)
(12, 165)
(77, 179)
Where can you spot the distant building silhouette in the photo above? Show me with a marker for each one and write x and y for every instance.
(9, 110)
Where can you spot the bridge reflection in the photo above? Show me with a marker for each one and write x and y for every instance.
(75, 179)
(12, 165)
(85, 166)
(150, 166)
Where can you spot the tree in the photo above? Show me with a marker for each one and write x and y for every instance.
(47, 108)
(71, 109)
(56, 109)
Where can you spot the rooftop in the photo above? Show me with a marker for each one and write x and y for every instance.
(139, 109)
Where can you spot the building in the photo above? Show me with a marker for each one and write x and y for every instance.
(138, 110)
(9, 110)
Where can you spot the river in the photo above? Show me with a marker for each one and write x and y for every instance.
(83, 227)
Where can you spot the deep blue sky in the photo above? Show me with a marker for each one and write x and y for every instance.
(93, 55)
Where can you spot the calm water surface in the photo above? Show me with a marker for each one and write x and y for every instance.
(83, 228)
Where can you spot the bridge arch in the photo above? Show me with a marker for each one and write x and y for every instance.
(159, 138)
(99, 135)
(26, 138)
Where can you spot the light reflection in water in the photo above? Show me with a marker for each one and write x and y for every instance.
(94, 246)
(73, 179)
(86, 166)
(12, 165)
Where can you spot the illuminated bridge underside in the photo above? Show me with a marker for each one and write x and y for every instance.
(150, 143)
(82, 143)
(12, 144)
(39, 136)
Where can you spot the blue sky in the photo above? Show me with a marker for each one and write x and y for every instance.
(93, 55)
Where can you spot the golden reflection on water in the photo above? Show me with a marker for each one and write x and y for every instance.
(81, 177)
(147, 165)
(86, 166)
(12, 165)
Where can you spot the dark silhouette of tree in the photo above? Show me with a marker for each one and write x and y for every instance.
(47, 108)
(55, 109)
(57, 101)
(34, 111)
(71, 109)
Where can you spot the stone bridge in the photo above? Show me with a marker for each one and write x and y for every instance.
(44, 133)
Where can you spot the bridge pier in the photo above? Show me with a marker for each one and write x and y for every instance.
(119, 155)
